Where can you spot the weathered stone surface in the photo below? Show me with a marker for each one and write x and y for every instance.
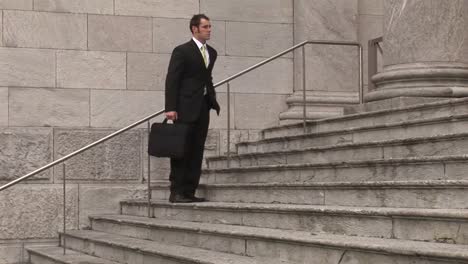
(16, 4)
(394, 197)
(350, 173)
(364, 135)
(260, 40)
(48, 107)
(27, 67)
(370, 27)
(218, 36)
(427, 148)
(412, 131)
(91, 69)
(256, 111)
(431, 22)
(371, 7)
(353, 257)
(3, 106)
(157, 8)
(44, 30)
(452, 232)
(118, 159)
(11, 254)
(412, 62)
(329, 68)
(325, 20)
(36, 211)
(275, 77)
(316, 223)
(122, 108)
(273, 195)
(119, 33)
(220, 122)
(160, 168)
(293, 253)
(146, 71)
(389, 116)
(212, 143)
(82, 6)
(169, 33)
(104, 199)
(456, 170)
(182, 214)
(236, 136)
(1, 31)
(25, 150)
(276, 11)
(174, 237)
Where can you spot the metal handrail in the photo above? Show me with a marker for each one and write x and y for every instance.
(120, 131)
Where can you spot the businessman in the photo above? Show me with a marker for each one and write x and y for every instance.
(189, 97)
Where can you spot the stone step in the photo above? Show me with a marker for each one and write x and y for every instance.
(434, 225)
(438, 109)
(417, 168)
(403, 130)
(129, 250)
(401, 194)
(286, 245)
(54, 255)
(453, 144)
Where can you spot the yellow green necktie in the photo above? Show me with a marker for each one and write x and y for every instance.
(204, 55)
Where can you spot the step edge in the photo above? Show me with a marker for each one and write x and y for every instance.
(442, 103)
(350, 242)
(382, 143)
(342, 164)
(159, 251)
(461, 214)
(364, 184)
(360, 129)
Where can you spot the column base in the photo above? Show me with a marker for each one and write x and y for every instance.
(319, 105)
(388, 104)
(420, 80)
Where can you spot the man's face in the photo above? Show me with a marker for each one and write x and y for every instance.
(203, 31)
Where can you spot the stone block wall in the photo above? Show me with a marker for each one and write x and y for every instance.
(73, 71)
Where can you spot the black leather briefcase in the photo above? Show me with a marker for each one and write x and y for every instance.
(168, 140)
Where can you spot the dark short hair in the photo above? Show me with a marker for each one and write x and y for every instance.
(196, 19)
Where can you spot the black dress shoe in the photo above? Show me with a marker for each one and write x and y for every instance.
(177, 198)
(196, 199)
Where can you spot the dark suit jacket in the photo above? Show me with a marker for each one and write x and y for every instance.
(186, 78)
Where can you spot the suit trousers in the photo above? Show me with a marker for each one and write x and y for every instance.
(185, 172)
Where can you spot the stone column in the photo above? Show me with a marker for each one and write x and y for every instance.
(425, 50)
(331, 71)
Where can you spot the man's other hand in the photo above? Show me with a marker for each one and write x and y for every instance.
(171, 115)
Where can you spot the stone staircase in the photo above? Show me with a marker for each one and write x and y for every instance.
(378, 187)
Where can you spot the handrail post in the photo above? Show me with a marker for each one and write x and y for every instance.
(149, 173)
(361, 83)
(64, 211)
(228, 125)
(372, 61)
(304, 101)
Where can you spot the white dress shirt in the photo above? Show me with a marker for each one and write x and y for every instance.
(207, 54)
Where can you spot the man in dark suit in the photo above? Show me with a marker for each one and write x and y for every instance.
(189, 97)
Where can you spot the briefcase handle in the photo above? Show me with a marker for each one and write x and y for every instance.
(165, 121)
